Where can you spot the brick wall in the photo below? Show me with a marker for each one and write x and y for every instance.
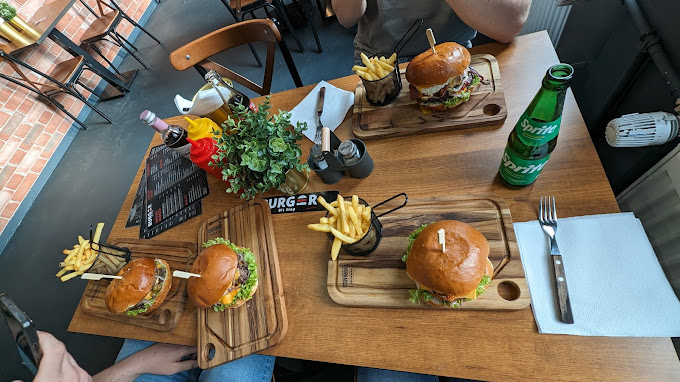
(31, 129)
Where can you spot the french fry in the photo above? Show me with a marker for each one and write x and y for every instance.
(343, 214)
(363, 75)
(335, 248)
(327, 206)
(392, 58)
(342, 236)
(367, 213)
(332, 220)
(98, 234)
(334, 203)
(356, 224)
(355, 202)
(367, 62)
(323, 220)
(72, 254)
(352, 231)
(64, 270)
(379, 71)
(66, 252)
(385, 66)
(357, 68)
(71, 275)
(319, 227)
(80, 240)
(364, 225)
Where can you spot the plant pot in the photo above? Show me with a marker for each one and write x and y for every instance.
(296, 181)
(28, 31)
(12, 35)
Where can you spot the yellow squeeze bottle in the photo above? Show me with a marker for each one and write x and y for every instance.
(201, 128)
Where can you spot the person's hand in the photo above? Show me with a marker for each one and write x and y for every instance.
(164, 359)
(57, 364)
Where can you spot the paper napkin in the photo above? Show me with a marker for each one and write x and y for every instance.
(336, 104)
(205, 103)
(615, 282)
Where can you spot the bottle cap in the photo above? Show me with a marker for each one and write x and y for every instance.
(150, 119)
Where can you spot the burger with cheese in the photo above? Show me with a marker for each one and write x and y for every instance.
(443, 80)
(144, 285)
(228, 276)
(448, 278)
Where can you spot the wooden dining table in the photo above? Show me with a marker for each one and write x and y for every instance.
(484, 345)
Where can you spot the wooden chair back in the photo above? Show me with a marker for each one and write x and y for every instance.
(198, 52)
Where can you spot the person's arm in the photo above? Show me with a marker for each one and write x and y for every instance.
(499, 19)
(159, 359)
(348, 12)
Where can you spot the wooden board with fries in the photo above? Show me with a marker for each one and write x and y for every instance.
(380, 279)
(261, 322)
(403, 116)
(180, 256)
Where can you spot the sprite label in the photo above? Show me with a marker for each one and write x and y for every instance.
(534, 133)
(518, 171)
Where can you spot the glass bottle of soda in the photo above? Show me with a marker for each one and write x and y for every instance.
(230, 96)
(535, 134)
(175, 137)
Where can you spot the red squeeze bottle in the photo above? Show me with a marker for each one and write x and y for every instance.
(202, 151)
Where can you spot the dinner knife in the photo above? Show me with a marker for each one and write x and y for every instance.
(319, 111)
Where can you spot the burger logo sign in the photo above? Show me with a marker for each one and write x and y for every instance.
(299, 203)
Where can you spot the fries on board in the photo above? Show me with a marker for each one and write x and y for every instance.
(348, 222)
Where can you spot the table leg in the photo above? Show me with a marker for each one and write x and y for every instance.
(118, 85)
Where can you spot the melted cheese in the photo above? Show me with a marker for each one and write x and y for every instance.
(472, 295)
(228, 297)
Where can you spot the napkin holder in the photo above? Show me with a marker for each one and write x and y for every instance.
(332, 168)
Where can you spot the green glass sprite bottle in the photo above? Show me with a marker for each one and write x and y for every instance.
(535, 134)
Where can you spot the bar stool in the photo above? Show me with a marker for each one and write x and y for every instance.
(104, 29)
(61, 79)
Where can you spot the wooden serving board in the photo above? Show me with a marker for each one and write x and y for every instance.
(380, 279)
(180, 256)
(404, 117)
(261, 322)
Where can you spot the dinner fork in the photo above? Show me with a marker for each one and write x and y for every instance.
(547, 216)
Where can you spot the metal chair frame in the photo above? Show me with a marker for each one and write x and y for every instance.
(112, 36)
(57, 88)
(279, 7)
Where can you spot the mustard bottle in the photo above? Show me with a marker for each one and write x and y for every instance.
(201, 128)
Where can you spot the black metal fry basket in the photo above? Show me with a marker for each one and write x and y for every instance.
(110, 258)
(386, 90)
(371, 239)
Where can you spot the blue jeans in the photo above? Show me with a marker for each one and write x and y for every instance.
(255, 368)
(367, 374)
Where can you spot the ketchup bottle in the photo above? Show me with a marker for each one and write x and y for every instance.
(202, 151)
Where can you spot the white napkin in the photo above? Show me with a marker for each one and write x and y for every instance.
(335, 106)
(206, 102)
(615, 282)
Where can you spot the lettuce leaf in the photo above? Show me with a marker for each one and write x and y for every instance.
(418, 294)
(245, 290)
(411, 238)
(135, 312)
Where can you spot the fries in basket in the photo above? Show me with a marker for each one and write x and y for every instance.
(81, 257)
(348, 222)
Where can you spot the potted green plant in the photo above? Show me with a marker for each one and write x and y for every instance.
(259, 152)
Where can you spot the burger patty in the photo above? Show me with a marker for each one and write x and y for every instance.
(448, 90)
(243, 274)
